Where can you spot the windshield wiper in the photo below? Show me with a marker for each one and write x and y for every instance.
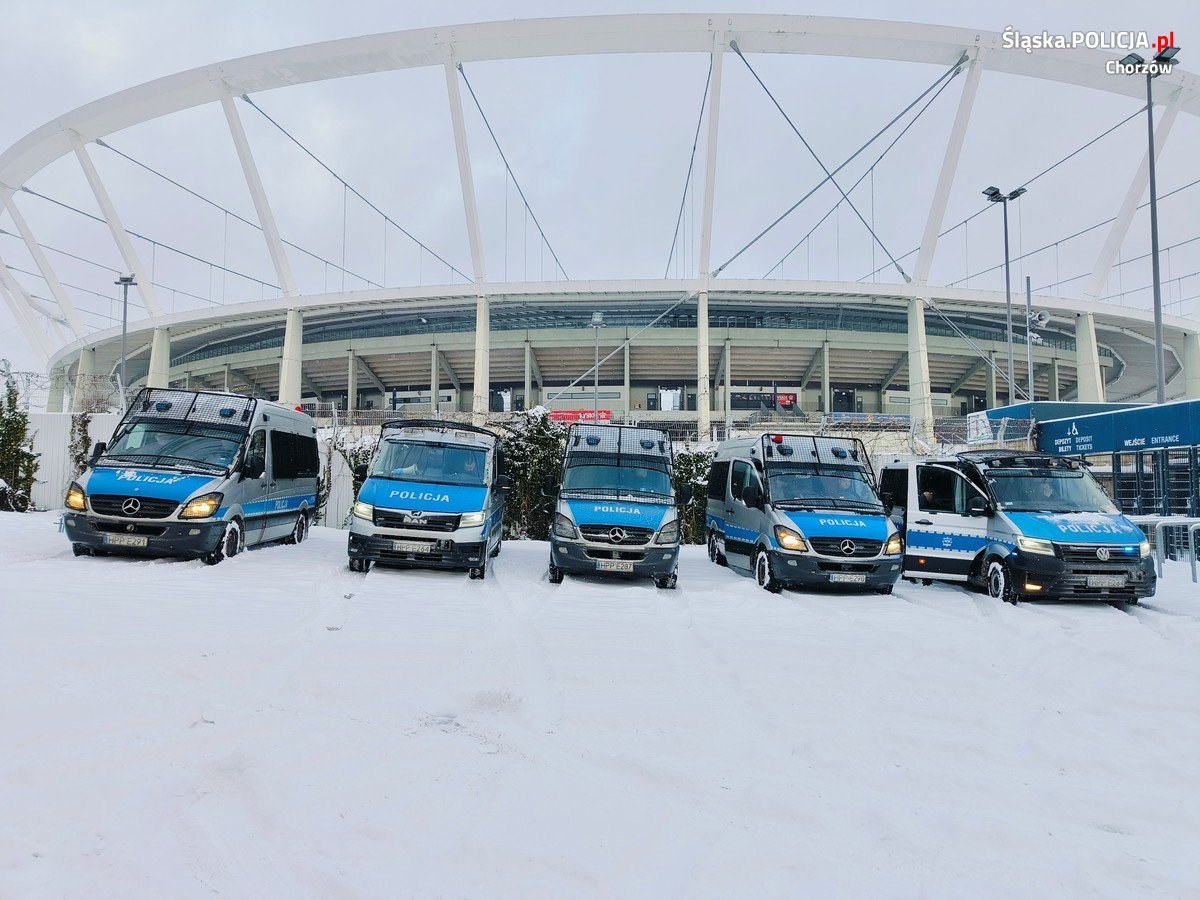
(156, 461)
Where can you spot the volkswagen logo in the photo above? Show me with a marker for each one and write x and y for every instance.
(617, 535)
(847, 547)
(1102, 554)
(131, 506)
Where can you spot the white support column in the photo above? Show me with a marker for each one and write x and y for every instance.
(1137, 187)
(993, 399)
(226, 386)
(528, 375)
(351, 381)
(266, 218)
(133, 262)
(1090, 380)
(728, 405)
(85, 385)
(39, 258)
(826, 390)
(18, 302)
(435, 376)
(482, 383)
(628, 389)
(1191, 366)
(920, 390)
(58, 387)
(289, 365)
(941, 193)
(160, 359)
(1055, 391)
(703, 380)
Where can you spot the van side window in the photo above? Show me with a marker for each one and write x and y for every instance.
(938, 489)
(743, 475)
(718, 475)
(294, 455)
(893, 487)
(256, 453)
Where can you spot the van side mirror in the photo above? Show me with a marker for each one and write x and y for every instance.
(978, 506)
(684, 494)
(752, 495)
(503, 483)
(360, 472)
(97, 452)
(549, 485)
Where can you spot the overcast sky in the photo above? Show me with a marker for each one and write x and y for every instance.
(599, 145)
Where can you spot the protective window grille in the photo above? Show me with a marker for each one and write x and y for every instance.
(621, 442)
(808, 450)
(166, 404)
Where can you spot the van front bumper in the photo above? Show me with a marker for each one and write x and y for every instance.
(816, 570)
(1038, 575)
(163, 538)
(435, 552)
(648, 560)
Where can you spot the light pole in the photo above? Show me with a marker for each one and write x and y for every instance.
(596, 324)
(1163, 59)
(996, 196)
(124, 281)
(1029, 334)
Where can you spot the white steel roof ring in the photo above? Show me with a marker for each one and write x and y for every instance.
(672, 33)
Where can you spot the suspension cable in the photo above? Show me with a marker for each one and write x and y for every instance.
(691, 165)
(511, 174)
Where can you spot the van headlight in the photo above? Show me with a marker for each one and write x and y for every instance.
(894, 546)
(668, 534)
(565, 528)
(789, 539)
(1143, 547)
(77, 499)
(202, 507)
(1036, 545)
(471, 519)
(364, 511)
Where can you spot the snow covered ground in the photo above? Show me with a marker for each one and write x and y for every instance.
(280, 727)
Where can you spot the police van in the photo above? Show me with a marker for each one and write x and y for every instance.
(433, 496)
(196, 474)
(615, 512)
(795, 509)
(1021, 525)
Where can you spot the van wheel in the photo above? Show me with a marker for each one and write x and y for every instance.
(477, 573)
(299, 530)
(714, 550)
(81, 550)
(666, 582)
(232, 543)
(1000, 583)
(885, 590)
(762, 573)
(555, 574)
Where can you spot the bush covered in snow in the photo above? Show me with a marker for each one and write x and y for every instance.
(533, 449)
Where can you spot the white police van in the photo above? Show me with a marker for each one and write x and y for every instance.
(1022, 525)
(616, 508)
(433, 496)
(196, 474)
(795, 509)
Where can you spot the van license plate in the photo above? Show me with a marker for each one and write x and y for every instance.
(412, 546)
(614, 565)
(125, 540)
(848, 577)
(1103, 581)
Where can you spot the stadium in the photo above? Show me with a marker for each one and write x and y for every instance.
(701, 347)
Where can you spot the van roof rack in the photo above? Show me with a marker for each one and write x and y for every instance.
(436, 425)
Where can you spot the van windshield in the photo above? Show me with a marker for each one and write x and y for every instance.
(1039, 490)
(405, 460)
(604, 478)
(824, 489)
(175, 445)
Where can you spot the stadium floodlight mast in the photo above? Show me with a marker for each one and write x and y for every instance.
(1137, 64)
(125, 281)
(596, 324)
(995, 195)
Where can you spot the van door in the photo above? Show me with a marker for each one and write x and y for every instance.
(252, 492)
(741, 521)
(291, 478)
(942, 540)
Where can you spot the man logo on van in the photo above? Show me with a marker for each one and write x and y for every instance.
(414, 518)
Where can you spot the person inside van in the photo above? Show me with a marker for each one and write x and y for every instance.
(464, 467)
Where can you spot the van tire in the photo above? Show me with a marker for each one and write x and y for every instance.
(299, 530)
(1000, 583)
(477, 573)
(762, 573)
(714, 553)
(887, 589)
(81, 549)
(666, 582)
(232, 543)
(555, 574)
(360, 565)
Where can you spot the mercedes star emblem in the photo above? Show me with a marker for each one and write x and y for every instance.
(131, 506)
(1102, 554)
(616, 535)
(847, 547)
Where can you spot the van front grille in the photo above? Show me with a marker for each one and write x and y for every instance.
(623, 535)
(389, 518)
(827, 546)
(146, 507)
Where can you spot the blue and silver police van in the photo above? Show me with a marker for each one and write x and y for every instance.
(433, 496)
(616, 509)
(793, 509)
(1020, 525)
(196, 474)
